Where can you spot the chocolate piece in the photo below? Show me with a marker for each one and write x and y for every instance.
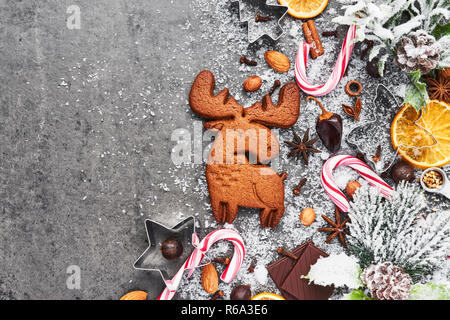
(328, 127)
(372, 68)
(402, 171)
(280, 269)
(299, 287)
(241, 292)
(171, 249)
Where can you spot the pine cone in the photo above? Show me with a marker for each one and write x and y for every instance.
(387, 282)
(418, 51)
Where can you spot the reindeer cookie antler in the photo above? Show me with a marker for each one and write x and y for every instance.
(206, 105)
(283, 115)
(248, 126)
(233, 181)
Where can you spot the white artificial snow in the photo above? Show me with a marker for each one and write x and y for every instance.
(261, 274)
(337, 269)
(343, 175)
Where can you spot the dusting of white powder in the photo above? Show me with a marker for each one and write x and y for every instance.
(343, 175)
(261, 274)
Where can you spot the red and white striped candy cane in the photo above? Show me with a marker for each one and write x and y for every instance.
(338, 71)
(199, 252)
(363, 169)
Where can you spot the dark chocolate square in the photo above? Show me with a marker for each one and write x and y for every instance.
(300, 288)
(280, 269)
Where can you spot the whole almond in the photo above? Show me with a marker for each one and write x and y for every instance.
(277, 61)
(135, 295)
(210, 279)
(252, 83)
(307, 216)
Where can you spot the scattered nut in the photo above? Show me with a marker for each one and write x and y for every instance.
(351, 188)
(210, 279)
(307, 216)
(433, 179)
(252, 83)
(277, 61)
(135, 295)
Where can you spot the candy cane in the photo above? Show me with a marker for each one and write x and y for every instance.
(338, 71)
(363, 169)
(199, 252)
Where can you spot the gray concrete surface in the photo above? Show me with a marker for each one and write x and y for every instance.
(78, 159)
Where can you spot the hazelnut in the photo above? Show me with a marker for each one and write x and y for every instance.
(171, 249)
(252, 83)
(307, 216)
(351, 188)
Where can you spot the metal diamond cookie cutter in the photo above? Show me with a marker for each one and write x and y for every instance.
(376, 132)
(248, 9)
(152, 258)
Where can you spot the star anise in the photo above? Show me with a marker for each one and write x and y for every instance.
(337, 228)
(439, 88)
(301, 147)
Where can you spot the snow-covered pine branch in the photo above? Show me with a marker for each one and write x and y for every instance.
(388, 21)
(393, 230)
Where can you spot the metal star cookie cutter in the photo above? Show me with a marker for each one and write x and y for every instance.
(152, 258)
(368, 136)
(264, 9)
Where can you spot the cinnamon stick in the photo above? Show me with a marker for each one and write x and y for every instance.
(313, 39)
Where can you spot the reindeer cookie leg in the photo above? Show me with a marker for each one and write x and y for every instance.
(270, 217)
(224, 211)
(231, 212)
(216, 206)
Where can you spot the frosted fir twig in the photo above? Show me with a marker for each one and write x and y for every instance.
(384, 22)
(393, 230)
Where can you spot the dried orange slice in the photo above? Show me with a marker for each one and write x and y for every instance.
(304, 9)
(135, 295)
(268, 296)
(428, 132)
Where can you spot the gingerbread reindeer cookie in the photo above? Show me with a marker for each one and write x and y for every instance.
(233, 179)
